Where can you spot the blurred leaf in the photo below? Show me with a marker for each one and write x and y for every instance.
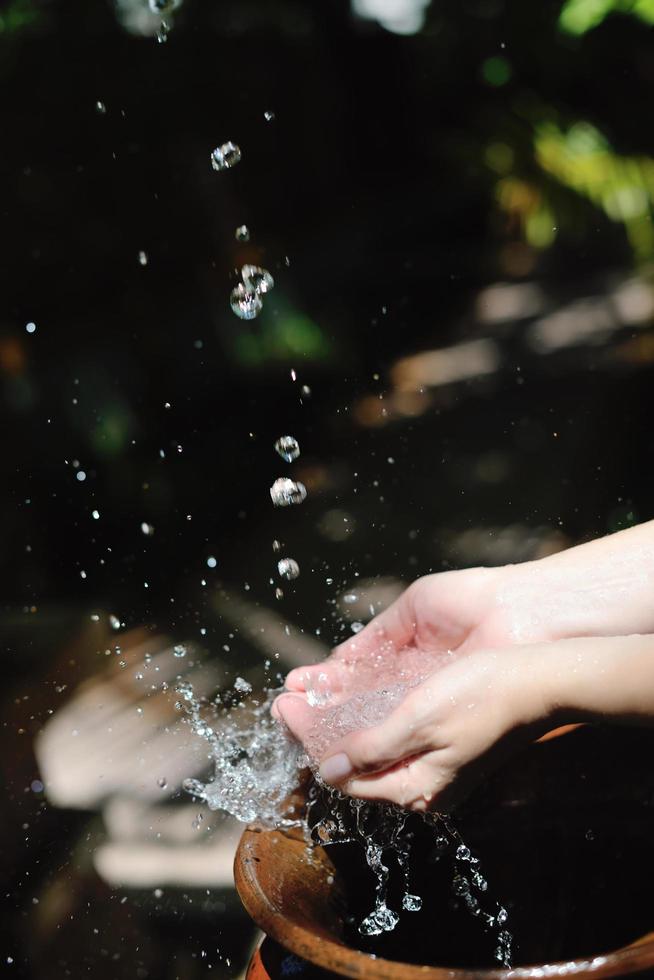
(579, 16)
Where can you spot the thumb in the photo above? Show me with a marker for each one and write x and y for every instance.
(296, 713)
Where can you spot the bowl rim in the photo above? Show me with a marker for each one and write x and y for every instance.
(336, 957)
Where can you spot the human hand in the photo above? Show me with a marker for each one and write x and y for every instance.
(450, 613)
(461, 722)
(446, 733)
(601, 588)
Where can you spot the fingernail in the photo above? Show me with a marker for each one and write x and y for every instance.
(336, 768)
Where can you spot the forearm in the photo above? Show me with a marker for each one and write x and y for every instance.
(603, 678)
(604, 587)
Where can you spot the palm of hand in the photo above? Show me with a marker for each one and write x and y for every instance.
(452, 612)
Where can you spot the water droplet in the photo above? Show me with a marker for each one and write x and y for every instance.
(288, 448)
(288, 568)
(158, 892)
(160, 6)
(95, 514)
(246, 303)
(163, 32)
(100, 107)
(143, 257)
(356, 627)
(349, 598)
(179, 650)
(162, 782)
(285, 492)
(81, 476)
(242, 233)
(114, 622)
(463, 853)
(211, 561)
(269, 116)
(194, 787)
(147, 529)
(139, 710)
(36, 786)
(306, 391)
(257, 279)
(138, 677)
(225, 156)
(279, 594)
(412, 903)
(241, 685)
(185, 688)
(276, 545)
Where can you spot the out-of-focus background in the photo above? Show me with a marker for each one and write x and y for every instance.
(455, 200)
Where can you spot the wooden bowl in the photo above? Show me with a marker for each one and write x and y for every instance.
(592, 788)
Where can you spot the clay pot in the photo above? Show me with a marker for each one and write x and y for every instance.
(565, 836)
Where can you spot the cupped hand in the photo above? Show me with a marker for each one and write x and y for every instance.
(445, 735)
(456, 612)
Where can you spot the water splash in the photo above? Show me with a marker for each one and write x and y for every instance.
(255, 763)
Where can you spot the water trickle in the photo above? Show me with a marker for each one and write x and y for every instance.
(257, 279)
(288, 448)
(226, 156)
(288, 568)
(285, 492)
(246, 303)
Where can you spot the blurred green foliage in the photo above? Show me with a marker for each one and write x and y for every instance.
(291, 334)
(579, 16)
(18, 15)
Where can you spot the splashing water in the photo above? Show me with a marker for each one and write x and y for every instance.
(255, 763)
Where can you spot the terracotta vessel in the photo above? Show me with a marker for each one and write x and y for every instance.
(565, 836)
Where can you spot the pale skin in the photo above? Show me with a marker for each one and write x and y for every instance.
(564, 639)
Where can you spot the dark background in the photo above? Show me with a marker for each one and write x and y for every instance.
(399, 179)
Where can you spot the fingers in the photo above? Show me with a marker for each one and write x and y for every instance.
(401, 736)
(296, 713)
(395, 625)
(325, 677)
(413, 784)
